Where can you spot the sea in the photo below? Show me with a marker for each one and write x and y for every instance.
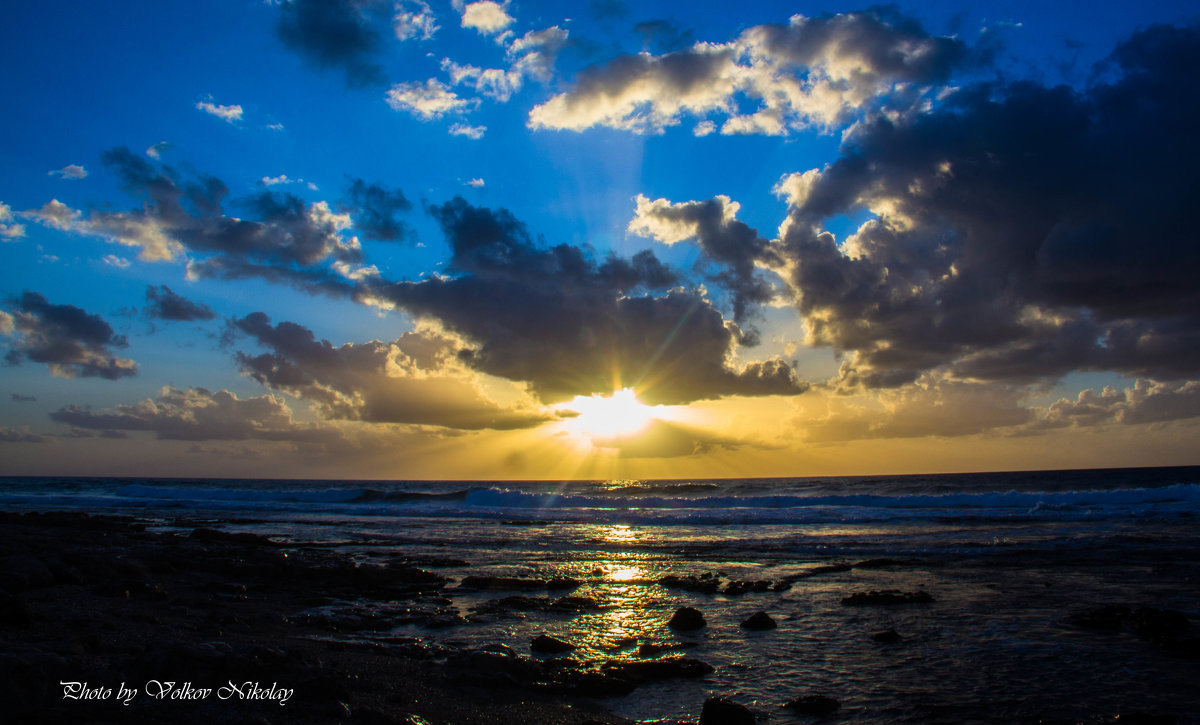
(1006, 559)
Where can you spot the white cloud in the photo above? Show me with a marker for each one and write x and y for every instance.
(462, 129)
(156, 150)
(274, 126)
(113, 260)
(285, 179)
(704, 128)
(71, 171)
(495, 83)
(428, 101)
(230, 114)
(414, 19)
(486, 16)
(476, 183)
(126, 229)
(9, 230)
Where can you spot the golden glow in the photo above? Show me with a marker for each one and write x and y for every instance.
(618, 415)
(624, 573)
(619, 533)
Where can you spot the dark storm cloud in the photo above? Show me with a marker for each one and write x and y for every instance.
(400, 382)
(289, 242)
(1146, 402)
(166, 305)
(333, 33)
(567, 325)
(12, 435)
(200, 415)
(1022, 232)
(18, 398)
(374, 209)
(71, 342)
(734, 248)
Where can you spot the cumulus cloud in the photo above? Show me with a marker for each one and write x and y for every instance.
(163, 304)
(335, 34)
(113, 260)
(292, 242)
(430, 100)
(374, 207)
(197, 414)
(414, 20)
(155, 152)
(9, 230)
(471, 132)
(486, 16)
(569, 325)
(229, 114)
(475, 183)
(67, 339)
(668, 439)
(414, 379)
(813, 72)
(1148, 401)
(531, 56)
(71, 171)
(13, 435)
(734, 248)
(1017, 232)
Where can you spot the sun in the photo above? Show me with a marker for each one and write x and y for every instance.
(609, 416)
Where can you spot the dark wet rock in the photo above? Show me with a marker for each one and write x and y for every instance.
(686, 618)
(759, 621)
(563, 582)
(515, 603)
(21, 573)
(575, 604)
(886, 598)
(642, 671)
(14, 612)
(705, 584)
(1157, 624)
(550, 645)
(813, 705)
(876, 563)
(722, 711)
(444, 620)
(888, 636)
(1107, 617)
(781, 586)
(829, 569)
(490, 669)
(226, 537)
(595, 684)
(517, 583)
(412, 575)
(653, 650)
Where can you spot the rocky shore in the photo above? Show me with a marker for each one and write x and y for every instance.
(210, 627)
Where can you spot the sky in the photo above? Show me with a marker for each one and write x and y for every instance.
(416, 239)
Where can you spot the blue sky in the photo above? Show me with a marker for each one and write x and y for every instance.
(487, 209)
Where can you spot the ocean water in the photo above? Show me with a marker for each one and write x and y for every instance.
(1007, 558)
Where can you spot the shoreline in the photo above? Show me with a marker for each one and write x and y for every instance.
(102, 601)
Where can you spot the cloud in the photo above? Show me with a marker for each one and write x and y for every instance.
(229, 114)
(1148, 401)
(166, 305)
(486, 16)
(663, 34)
(472, 132)
(292, 242)
(1018, 232)
(427, 101)
(68, 340)
(412, 380)
(569, 325)
(476, 183)
(668, 439)
(494, 83)
(71, 171)
(414, 19)
(199, 415)
(373, 208)
(155, 151)
(8, 229)
(333, 34)
(732, 246)
(12, 435)
(113, 260)
(813, 72)
(531, 56)
(18, 398)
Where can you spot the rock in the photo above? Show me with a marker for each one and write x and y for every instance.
(653, 650)
(551, 645)
(814, 705)
(759, 621)
(23, 572)
(876, 563)
(704, 584)
(642, 671)
(518, 583)
(686, 618)
(720, 711)
(575, 604)
(14, 613)
(225, 537)
(1157, 625)
(885, 598)
(887, 636)
(563, 582)
(1106, 617)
